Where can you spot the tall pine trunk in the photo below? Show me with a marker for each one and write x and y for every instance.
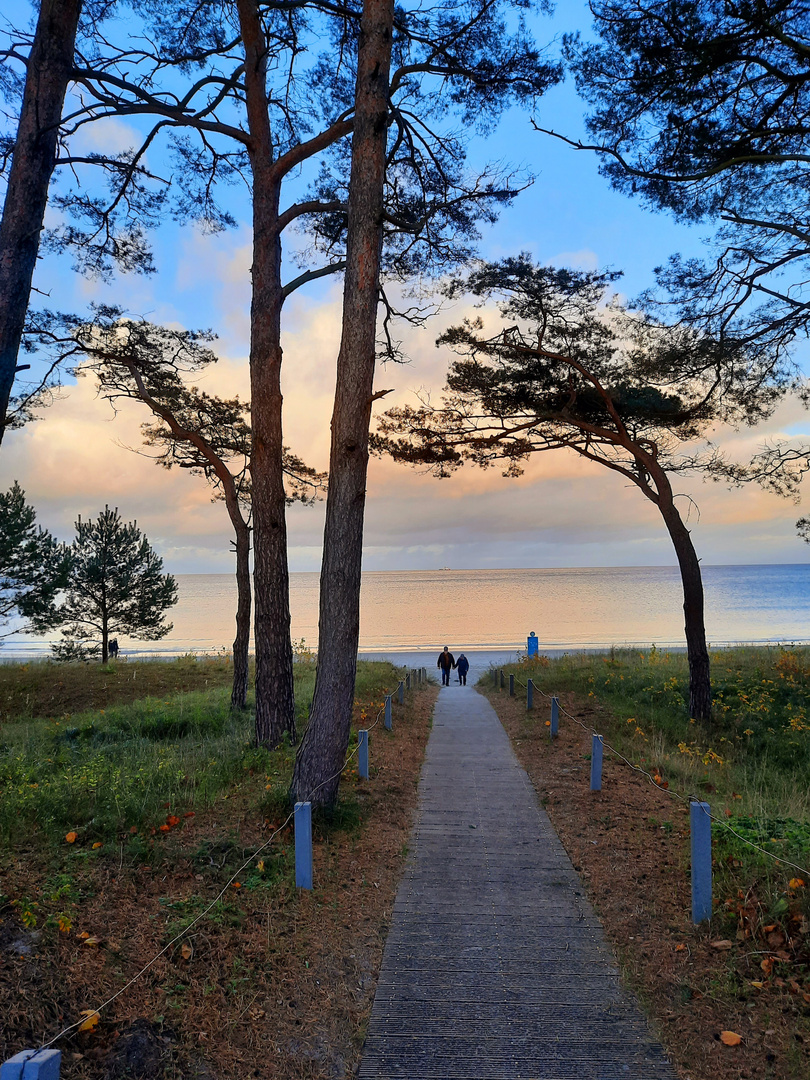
(700, 686)
(241, 642)
(275, 697)
(50, 64)
(697, 653)
(320, 757)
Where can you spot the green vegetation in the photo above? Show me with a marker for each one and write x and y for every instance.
(757, 746)
(751, 762)
(129, 775)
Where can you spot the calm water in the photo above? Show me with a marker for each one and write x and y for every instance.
(495, 609)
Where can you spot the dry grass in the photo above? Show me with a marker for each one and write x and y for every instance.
(630, 845)
(278, 983)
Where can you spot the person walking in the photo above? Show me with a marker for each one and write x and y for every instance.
(446, 663)
(462, 667)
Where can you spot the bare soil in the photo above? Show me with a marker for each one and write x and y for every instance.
(630, 845)
(277, 982)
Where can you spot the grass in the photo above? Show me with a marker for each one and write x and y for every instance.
(121, 823)
(751, 763)
(746, 970)
(756, 751)
(133, 772)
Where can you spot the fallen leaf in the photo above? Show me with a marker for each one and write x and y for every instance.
(680, 948)
(92, 941)
(757, 984)
(164, 828)
(133, 829)
(767, 929)
(71, 837)
(775, 940)
(260, 866)
(91, 1019)
(171, 821)
(97, 845)
(796, 883)
(237, 885)
(189, 813)
(722, 945)
(186, 951)
(83, 936)
(730, 1038)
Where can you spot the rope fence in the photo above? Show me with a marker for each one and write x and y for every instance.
(43, 1063)
(701, 817)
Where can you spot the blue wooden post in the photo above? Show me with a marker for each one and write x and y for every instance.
(32, 1065)
(701, 828)
(303, 845)
(362, 754)
(596, 763)
(388, 723)
(503, 680)
(511, 686)
(529, 693)
(408, 681)
(401, 691)
(555, 717)
(495, 678)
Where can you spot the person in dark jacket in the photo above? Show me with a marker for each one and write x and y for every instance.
(446, 663)
(462, 667)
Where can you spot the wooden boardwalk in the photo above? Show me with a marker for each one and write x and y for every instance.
(495, 965)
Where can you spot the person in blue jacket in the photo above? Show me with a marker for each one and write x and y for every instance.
(462, 667)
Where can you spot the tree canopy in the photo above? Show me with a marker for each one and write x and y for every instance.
(568, 369)
(115, 586)
(33, 565)
(702, 108)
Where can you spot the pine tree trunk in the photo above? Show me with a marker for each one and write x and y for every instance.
(320, 758)
(700, 687)
(241, 642)
(275, 696)
(49, 67)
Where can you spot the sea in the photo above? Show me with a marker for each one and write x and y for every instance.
(490, 613)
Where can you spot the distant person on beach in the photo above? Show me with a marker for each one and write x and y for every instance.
(446, 663)
(113, 648)
(462, 667)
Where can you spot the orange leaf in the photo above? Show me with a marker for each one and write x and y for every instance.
(171, 821)
(680, 948)
(72, 837)
(186, 951)
(189, 813)
(97, 845)
(133, 829)
(730, 1038)
(757, 984)
(83, 936)
(164, 828)
(237, 885)
(796, 883)
(91, 1019)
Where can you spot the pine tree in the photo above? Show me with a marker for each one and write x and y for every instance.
(116, 586)
(33, 565)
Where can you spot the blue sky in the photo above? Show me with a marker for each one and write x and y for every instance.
(560, 513)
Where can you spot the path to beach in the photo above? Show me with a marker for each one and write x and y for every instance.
(495, 964)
